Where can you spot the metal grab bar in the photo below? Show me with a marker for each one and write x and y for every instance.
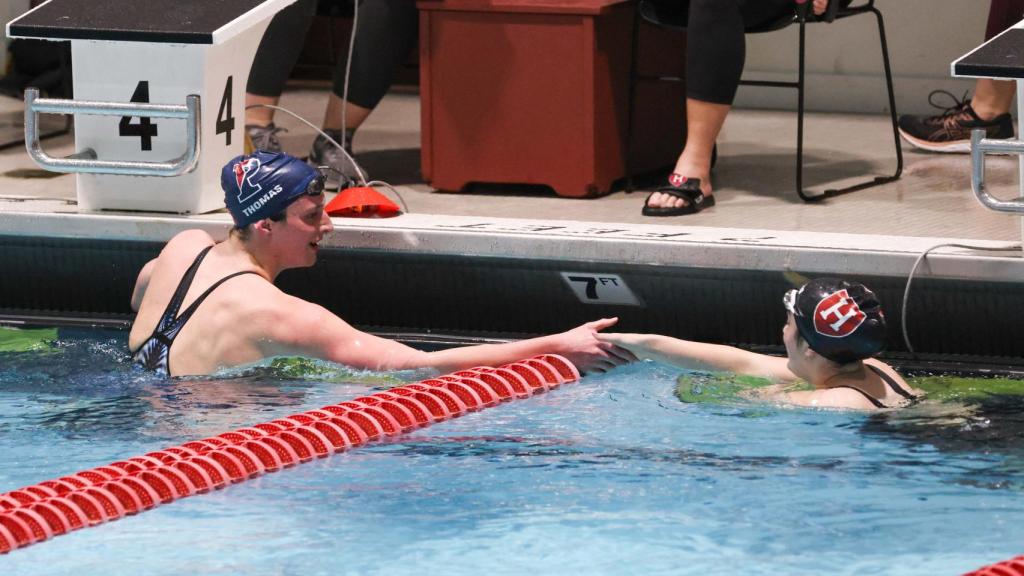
(979, 146)
(83, 163)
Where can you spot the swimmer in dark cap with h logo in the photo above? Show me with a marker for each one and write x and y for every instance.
(833, 330)
(205, 305)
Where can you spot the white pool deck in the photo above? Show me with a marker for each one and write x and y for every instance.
(758, 223)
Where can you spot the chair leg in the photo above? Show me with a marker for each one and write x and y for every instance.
(892, 98)
(892, 116)
(800, 119)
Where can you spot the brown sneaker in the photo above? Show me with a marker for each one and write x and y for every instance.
(951, 130)
(264, 137)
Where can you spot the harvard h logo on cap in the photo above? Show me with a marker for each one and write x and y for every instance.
(837, 315)
(244, 171)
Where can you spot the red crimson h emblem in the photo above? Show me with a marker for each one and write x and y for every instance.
(837, 315)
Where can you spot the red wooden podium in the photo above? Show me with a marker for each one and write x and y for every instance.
(534, 92)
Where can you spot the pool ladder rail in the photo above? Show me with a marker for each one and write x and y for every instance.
(979, 147)
(88, 498)
(85, 161)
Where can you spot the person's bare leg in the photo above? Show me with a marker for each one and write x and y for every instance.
(704, 121)
(992, 97)
(354, 115)
(259, 116)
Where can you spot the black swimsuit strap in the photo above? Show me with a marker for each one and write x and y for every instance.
(152, 356)
(181, 319)
(875, 401)
(171, 312)
(888, 380)
(892, 383)
(171, 322)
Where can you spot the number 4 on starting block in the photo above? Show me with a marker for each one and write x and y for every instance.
(159, 96)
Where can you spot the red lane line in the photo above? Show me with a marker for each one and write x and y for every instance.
(91, 497)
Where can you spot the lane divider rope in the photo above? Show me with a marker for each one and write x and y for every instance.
(36, 513)
(1011, 567)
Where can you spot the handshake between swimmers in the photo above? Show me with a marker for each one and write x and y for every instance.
(204, 305)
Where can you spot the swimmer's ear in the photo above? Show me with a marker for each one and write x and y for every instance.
(264, 225)
(809, 354)
(805, 349)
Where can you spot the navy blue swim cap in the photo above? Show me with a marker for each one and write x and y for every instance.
(263, 184)
(840, 320)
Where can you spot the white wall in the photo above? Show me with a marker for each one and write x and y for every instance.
(844, 63)
(9, 10)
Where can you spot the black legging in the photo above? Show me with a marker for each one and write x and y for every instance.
(280, 48)
(1001, 15)
(387, 33)
(716, 47)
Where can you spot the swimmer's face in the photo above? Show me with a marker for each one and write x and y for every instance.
(306, 223)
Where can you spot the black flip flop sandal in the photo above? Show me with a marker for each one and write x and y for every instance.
(689, 191)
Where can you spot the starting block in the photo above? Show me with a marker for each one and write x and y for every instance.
(159, 96)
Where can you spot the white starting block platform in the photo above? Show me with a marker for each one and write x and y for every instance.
(1000, 58)
(159, 101)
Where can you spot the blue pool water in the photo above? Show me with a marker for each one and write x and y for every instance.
(611, 475)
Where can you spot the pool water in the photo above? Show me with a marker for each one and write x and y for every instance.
(610, 475)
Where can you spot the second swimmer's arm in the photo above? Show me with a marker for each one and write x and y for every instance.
(701, 356)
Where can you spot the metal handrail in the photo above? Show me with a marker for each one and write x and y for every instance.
(979, 146)
(85, 161)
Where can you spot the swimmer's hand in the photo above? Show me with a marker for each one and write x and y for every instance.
(820, 6)
(582, 347)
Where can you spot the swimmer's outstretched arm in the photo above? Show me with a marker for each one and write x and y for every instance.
(579, 346)
(701, 356)
(317, 332)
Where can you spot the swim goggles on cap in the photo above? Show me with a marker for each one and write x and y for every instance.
(316, 185)
(789, 301)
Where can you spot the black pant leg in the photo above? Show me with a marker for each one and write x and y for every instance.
(280, 48)
(715, 50)
(716, 44)
(387, 32)
(1001, 15)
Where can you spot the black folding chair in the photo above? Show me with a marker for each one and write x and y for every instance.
(673, 14)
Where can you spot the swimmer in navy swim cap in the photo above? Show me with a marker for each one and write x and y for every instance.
(833, 330)
(204, 304)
